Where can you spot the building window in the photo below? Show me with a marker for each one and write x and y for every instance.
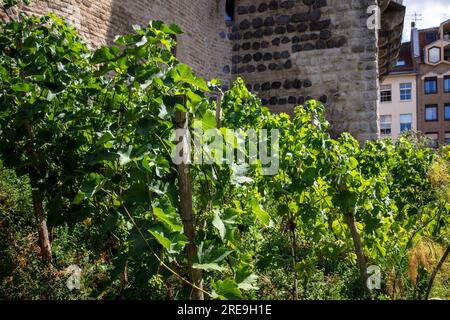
(386, 124)
(447, 53)
(406, 122)
(430, 85)
(386, 93)
(430, 37)
(431, 112)
(401, 63)
(434, 55)
(405, 91)
(447, 84)
(447, 111)
(229, 10)
(434, 139)
(447, 138)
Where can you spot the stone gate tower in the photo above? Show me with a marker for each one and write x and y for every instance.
(287, 51)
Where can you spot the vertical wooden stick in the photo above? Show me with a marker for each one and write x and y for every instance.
(187, 212)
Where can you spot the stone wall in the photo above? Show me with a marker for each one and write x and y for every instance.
(290, 51)
(203, 45)
(287, 51)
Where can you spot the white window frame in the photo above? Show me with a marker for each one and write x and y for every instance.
(384, 89)
(386, 126)
(403, 122)
(404, 89)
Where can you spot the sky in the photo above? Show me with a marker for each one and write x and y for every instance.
(434, 12)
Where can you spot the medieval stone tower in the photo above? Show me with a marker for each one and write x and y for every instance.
(287, 51)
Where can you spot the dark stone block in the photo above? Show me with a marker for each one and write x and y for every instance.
(273, 101)
(234, 70)
(257, 23)
(263, 7)
(261, 68)
(242, 10)
(226, 69)
(272, 66)
(267, 56)
(251, 68)
(299, 17)
(302, 27)
(269, 22)
(341, 42)
(277, 55)
(320, 25)
(287, 4)
(222, 35)
(265, 102)
(291, 28)
(314, 36)
(258, 34)
(282, 101)
(257, 87)
(236, 59)
(268, 32)
(248, 35)
(287, 84)
(320, 4)
(257, 56)
(285, 40)
(280, 66)
(252, 9)
(256, 46)
(305, 37)
(309, 2)
(315, 15)
(321, 44)
(273, 5)
(265, 86)
(276, 41)
(323, 99)
(244, 25)
(246, 46)
(276, 85)
(331, 44)
(280, 30)
(297, 84)
(241, 70)
(325, 34)
(297, 48)
(285, 55)
(247, 58)
(234, 28)
(309, 98)
(287, 64)
(236, 47)
(307, 84)
(301, 100)
(295, 39)
(283, 20)
(309, 47)
(264, 44)
(292, 100)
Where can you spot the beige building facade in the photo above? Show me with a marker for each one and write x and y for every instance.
(398, 106)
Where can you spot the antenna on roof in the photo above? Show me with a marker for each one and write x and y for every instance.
(415, 17)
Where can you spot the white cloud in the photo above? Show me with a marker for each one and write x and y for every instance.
(433, 12)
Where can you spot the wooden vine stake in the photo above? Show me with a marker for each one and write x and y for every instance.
(350, 219)
(187, 211)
